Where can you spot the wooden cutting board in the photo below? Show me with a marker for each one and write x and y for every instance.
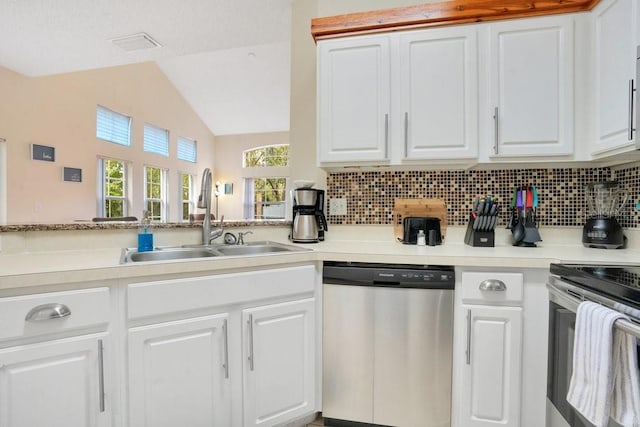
(406, 208)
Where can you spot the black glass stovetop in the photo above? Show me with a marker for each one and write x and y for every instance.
(621, 283)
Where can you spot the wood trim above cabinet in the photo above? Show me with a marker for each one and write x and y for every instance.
(440, 14)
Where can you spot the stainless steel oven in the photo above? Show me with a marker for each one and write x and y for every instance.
(616, 287)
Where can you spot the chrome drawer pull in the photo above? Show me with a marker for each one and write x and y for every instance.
(101, 374)
(496, 123)
(630, 128)
(250, 326)
(492, 285)
(47, 312)
(226, 349)
(468, 352)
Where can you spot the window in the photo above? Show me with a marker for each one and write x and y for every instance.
(186, 195)
(187, 150)
(113, 127)
(273, 155)
(156, 140)
(155, 192)
(112, 188)
(266, 170)
(267, 198)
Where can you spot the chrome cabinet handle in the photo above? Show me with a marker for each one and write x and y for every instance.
(492, 285)
(386, 133)
(468, 352)
(47, 312)
(406, 134)
(225, 337)
(630, 128)
(101, 374)
(250, 326)
(496, 122)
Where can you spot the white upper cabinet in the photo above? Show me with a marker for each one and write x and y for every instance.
(530, 78)
(353, 99)
(615, 26)
(439, 93)
(387, 99)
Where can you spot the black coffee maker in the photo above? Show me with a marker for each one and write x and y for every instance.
(601, 229)
(309, 222)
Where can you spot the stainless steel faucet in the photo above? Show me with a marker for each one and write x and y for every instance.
(204, 202)
(241, 237)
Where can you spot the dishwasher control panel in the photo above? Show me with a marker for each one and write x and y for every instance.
(413, 276)
(389, 275)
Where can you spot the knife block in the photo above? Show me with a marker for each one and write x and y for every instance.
(479, 238)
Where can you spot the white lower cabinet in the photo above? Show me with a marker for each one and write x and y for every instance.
(235, 349)
(500, 348)
(491, 378)
(55, 360)
(279, 362)
(487, 370)
(55, 384)
(179, 373)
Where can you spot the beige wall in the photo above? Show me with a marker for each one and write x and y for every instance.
(228, 167)
(60, 111)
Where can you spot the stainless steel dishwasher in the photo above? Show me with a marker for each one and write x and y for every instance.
(387, 344)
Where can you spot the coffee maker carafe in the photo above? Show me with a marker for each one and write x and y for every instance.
(309, 222)
(601, 229)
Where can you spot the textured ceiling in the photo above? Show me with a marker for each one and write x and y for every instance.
(230, 59)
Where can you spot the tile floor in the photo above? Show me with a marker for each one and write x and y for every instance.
(318, 422)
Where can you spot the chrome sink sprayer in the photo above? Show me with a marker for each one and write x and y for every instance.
(204, 202)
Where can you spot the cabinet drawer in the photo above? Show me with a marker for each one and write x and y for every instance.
(53, 313)
(492, 288)
(182, 295)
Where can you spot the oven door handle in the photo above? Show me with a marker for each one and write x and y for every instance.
(566, 298)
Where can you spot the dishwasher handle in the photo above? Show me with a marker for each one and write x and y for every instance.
(398, 285)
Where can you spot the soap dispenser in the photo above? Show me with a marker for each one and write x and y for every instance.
(145, 236)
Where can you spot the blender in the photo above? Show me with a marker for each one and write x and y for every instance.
(604, 201)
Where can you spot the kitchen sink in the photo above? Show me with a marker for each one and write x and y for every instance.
(166, 254)
(189, 252)
(256, 248)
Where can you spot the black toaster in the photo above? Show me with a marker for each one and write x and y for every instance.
(412, 225)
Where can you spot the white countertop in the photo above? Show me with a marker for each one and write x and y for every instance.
(344, 243)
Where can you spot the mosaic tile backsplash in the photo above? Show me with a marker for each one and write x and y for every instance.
(370, 195)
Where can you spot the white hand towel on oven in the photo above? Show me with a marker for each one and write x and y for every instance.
(595, 370)
(625, 405)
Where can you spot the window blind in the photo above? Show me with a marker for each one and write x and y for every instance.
(156, 140)
(112, 126)
(187, 149)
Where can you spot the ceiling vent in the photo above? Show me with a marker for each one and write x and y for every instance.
(136, 42)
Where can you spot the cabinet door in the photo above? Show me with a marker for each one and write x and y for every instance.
(178, 374)
(353, 99)
(54, 384)
(439, 93)
(615, 23)
(279, 362)
(531, 87)
(491, 382)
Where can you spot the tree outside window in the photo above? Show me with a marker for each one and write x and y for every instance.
(269, 198)
(154, 192)
(114, 200)
(265, 195)
(186, 191)
(274, 155)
